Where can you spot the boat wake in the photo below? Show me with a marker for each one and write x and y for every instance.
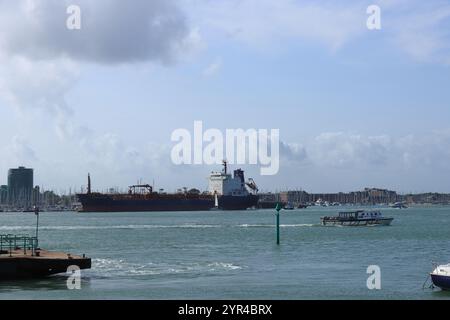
(110, 268)
(123, 227)
(143, 227)
(304, 225)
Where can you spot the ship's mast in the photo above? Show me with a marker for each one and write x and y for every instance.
(225, 166)
(89, 184)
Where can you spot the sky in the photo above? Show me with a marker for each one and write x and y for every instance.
(355, 107)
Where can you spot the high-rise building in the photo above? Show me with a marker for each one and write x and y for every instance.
(3, 194)
(20, 187)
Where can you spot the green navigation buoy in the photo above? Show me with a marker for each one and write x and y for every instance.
(278, 208)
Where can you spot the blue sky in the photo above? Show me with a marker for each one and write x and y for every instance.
(356, 108)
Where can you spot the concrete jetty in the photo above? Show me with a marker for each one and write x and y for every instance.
(21, 258)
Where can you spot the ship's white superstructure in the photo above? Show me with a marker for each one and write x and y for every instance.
(224, 184)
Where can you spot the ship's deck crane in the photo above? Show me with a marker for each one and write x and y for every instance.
(140, 189)
(252, 185)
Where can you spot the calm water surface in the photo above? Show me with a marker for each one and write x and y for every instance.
(233, 255)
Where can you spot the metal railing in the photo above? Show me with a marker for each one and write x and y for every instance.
(13, 243)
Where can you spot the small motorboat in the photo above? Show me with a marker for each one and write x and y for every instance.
(441, 277)
(289, 206)
(399, 205)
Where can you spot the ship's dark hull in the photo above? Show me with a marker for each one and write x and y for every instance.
(441, 281)
(237, 203)
(267, 204)
(107, 203)
(110, 204)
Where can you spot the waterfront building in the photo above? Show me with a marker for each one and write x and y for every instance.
(3, 194)
(20, 187)
(366, 196)
(297, 197)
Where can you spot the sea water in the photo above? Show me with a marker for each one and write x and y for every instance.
(233, 255)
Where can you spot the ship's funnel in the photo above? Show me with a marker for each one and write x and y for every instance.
(239, 174)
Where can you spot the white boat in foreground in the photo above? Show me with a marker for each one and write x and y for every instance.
(357, 218)
(441, 277)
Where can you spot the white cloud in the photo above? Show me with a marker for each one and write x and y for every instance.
(430, 150)
(420, 29)
(213, 68)
(293, 153)
(41, 60)
(21, 150)
(345, 150)
(342, 161)
(111, 31)
(263, 22)
(42, 85)
(16, 152)
(342, 150)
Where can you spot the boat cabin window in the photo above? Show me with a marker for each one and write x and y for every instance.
(348, 214)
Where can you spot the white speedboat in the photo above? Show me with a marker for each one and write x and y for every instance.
(441, 277)
(399, 205)
(319, 203)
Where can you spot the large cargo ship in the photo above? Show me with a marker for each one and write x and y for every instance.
(226, 193)
(143, 198)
